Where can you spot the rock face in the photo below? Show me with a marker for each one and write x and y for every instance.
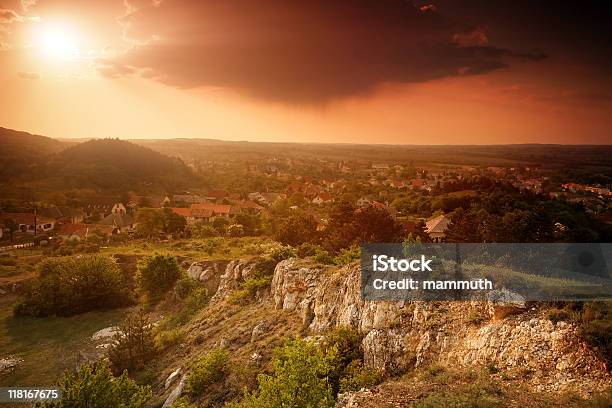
(399, 335)
(235, 273)
(207, 272)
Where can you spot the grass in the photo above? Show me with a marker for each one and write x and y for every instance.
(47, 346)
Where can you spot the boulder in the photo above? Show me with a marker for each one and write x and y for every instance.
(173, 376)
(176, 393)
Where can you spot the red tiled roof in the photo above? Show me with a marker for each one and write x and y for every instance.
(215, 208)
(185, 212)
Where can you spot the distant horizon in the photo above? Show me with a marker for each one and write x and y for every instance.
(84, 139)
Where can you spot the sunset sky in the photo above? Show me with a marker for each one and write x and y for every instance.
(355, 71)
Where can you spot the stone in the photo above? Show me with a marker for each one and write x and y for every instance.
(194, 271)
(173, 376)
(176, 393)
(8, 364)
(258, 331)
(105, 334)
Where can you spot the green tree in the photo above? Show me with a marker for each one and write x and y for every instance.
(173, 223)
(298, 229)
(71, 285)
(157, 274)
(208, 370)
(134, 343)
(94, 386)
(149, 222)
(220, 224)
(300, 378)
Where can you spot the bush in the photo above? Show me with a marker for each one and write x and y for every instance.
(168, 338)
(209, 370)
(184, 287)
(94, 386)
(157, 274)
(356, 376)
(68, 286)
(134, 343)
(348, 255)
(300, 378)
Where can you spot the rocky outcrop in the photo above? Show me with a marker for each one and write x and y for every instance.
(234, 274)
(399, 335)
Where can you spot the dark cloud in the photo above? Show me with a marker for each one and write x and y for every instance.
(302, 51)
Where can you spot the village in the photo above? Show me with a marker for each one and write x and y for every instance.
(411, 196)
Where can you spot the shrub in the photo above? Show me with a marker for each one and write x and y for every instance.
(184, 287)
(324, 257)
(300, 378)
(68, 286)
(94, 386)
(208, 370)
(168, 338)
(157, 274)
(134, 343)
(348, 255)
(357, 376)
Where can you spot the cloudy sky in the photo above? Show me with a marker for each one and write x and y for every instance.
(360, 71)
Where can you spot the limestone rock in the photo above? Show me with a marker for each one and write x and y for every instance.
(176, 393)
(173, 376)
(258, 331)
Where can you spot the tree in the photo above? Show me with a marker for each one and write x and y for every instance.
(173, 222)
(94, 386)
(298, 229)
(71, 285)
(220, 224)
(376, 225)
(149, 222)
(158, 273)
(301, 378)
(134, 343)
(12, 226)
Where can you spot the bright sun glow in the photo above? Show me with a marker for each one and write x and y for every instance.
(58, 41)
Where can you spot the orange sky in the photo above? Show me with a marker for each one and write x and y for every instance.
(74, 69)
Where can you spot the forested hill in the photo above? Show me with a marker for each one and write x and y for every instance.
(113, 165)
(21, 151)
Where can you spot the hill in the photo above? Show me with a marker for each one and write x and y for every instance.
(112, 165)
(22, 151)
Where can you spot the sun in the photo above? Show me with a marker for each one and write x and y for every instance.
(58, 41)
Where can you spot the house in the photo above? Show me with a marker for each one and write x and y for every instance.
(71, 215)
(74, 231)
(215, 195)
(216, 210)
(322, 198)
(436, 228)
(184, 212)
(119, 220)
(29, 222)
(188, 199)
(100, 205)
(118, 208)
